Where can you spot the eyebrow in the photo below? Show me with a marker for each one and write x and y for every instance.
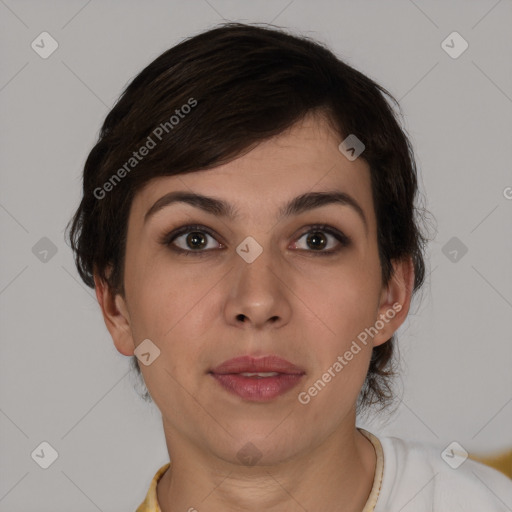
(221, 208)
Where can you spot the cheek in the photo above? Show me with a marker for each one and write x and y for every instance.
(167, 297)
(343, 300)
(339, 359)
(177, 309)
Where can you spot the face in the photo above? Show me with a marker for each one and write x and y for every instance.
(258, 283)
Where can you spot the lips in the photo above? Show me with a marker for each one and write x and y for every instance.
(257, 379)
(266, 364)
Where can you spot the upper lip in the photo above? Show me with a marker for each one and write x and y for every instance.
(263, 364)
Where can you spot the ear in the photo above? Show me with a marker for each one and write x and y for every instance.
(116, 316)
(395, 300)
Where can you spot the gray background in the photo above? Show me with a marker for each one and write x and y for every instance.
(61, 379)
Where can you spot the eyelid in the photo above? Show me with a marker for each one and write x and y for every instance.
(168, 238)
(341, 237)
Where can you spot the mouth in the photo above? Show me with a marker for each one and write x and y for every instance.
(257, 379)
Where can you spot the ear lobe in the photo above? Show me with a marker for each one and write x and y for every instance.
(116, 317)
(395, 300)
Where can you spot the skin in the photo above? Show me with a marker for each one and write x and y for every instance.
(297, 304)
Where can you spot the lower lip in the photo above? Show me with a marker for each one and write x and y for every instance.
(258, 389)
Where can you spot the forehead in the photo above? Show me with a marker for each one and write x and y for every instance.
(304, 158)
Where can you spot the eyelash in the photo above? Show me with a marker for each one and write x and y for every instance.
(169, 238)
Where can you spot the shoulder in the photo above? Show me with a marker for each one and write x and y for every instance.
(417, 477)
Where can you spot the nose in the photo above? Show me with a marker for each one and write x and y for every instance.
(258, 294)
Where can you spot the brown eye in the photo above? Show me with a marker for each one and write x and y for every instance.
(190, 239)
(195, 240)
(320, 237)
(316, 240)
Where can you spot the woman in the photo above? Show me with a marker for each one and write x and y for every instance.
(249, 226)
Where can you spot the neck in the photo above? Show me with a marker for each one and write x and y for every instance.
(334, 476)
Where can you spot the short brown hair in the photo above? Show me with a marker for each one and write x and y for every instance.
(249, 83)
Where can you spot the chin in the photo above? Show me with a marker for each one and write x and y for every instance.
(252, 446)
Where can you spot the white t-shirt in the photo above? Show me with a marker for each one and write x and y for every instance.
(417, 479)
